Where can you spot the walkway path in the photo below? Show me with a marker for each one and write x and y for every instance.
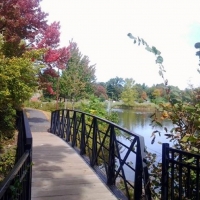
(58, 171)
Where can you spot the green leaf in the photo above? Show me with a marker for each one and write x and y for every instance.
(154, 50)
(195, 149)
(148, 48)
(158, 52)
(159, 60)
(143, 42)
(131, 36)
(190, 160)
(185, 139)
(192, 139)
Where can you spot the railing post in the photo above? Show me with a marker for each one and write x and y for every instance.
(29, 175)
(93, 161)
(22, 170)
(83, 133)
(74, 130)
(62, 125)
(59, 123)
(145, 170)
(55, 121)
(51, 126)
(28, 147)
(68, 128)
(165, 166)
(111, 161)
(138, 173)
(20, 137)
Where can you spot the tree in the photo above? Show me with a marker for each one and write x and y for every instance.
(129, 93)
(48, 83)
(100, 91)
(184, 115)
(78, 78)
(54, 57)
(114, 88)
(28, 44)
(20, 20)
(18, 81)
(144, 96)
(156, 95)
(24, 27)
(142, 92)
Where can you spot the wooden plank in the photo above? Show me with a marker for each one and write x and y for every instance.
(70, 180)
(60, 173)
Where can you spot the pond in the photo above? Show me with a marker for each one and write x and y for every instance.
(139, 123)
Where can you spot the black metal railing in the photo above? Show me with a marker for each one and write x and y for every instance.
(180, 174)
(17, 185)
(120, 164)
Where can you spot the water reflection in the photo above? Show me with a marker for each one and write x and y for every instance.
(139, 122)
(130, 119)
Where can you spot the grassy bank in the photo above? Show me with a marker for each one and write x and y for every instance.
(51, 106)
(136, 107)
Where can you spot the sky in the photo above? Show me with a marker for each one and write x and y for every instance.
(100, 29)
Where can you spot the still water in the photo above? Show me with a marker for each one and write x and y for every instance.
(139, 123)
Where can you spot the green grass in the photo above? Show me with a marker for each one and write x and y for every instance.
(137, 106)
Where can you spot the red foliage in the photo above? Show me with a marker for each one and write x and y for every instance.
(57, 57)
(24, 20)
(54, 57)
(21, 19)
(51, 72)
(49, 37)
(100, 91)
(49, 89)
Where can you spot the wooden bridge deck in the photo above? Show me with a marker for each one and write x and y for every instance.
(60, 173)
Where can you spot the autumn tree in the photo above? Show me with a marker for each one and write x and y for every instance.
(24, 27)
(54, 57)
(17, 84)
(100, 91)
(114, 88)
(142, 92)
(20, 20)
(28, 44)
(129, 93)
(78, 78)
(48, 83)
(144, 96)
(183, 113)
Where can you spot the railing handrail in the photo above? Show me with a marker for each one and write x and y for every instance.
(71, 126)
(23, 158)
(181, 151)
(104, 120)
(6, 182)
(29, 138)
(176, 168)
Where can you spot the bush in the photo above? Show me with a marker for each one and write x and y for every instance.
(46, 106)
(7, 121)
(7, 161)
